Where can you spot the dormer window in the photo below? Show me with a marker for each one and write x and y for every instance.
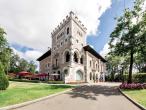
(67, 30)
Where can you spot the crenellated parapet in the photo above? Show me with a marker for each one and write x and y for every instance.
(65, 21)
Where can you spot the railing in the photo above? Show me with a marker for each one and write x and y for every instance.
(55, 67)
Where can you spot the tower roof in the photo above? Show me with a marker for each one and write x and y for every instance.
(66, 20)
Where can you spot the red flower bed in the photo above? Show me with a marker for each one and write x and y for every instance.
(133, 86)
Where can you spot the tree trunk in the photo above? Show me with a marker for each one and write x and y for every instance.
(131, 67)
(122, 72)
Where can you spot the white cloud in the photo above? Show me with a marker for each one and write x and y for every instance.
(29, 55)
(30, 22)
(105, 50)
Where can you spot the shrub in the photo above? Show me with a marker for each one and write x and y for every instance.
(137, 78)
(4, 83)
(56, 82)
(133, 86)
(25, 80)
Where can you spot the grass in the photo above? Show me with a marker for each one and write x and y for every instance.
(137, 95)
(19, 92)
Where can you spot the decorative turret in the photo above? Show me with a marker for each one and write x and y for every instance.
(71, 16)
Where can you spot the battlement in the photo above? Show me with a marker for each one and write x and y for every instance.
(68, 17)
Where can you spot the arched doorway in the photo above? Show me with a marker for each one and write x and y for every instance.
(79, 75)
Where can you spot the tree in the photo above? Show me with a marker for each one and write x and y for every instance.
(112, 65)
(14, 63)
(128, 38)
(23, 65)
(5, 50)
(31, 67)
(116, 65)
(4, 83)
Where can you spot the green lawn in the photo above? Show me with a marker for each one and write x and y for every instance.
(137, 95)
(19, 92)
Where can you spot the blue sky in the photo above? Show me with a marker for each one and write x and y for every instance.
(107, 24)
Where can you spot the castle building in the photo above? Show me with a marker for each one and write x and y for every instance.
(70, 59)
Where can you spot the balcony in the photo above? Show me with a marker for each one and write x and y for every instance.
(93, 69)
(55, 67)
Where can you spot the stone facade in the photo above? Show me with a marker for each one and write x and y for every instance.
(71, 59)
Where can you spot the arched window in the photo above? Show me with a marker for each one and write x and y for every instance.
(94, 76)
(56, 62)
(81, 59)
(90, 63)
(67, 30)
(90, 76)
(67, 57)
(75, 57)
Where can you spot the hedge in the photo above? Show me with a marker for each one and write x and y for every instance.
(137, 77)
(24, 80)
(37, 81)
(56, 82)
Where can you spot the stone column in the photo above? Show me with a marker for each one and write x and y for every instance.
(103, 77)
(71, 56)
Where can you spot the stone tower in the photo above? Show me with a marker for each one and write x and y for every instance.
(68, 40)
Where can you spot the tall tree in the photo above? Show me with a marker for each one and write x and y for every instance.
(128, 37)
(14, 63)
(5, 51)
(32, 67)
(23, 65)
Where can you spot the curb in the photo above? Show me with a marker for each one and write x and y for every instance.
(33, 101)
(133, 101)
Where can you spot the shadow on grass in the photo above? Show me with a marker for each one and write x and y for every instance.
(91, 92)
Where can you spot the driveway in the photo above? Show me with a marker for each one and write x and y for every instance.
(102, 96)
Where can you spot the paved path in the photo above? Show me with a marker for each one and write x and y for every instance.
(103, 96)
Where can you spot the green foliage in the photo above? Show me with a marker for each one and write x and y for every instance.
(128, 37)
(5, 51)
(14, 63)
(138, 77)
(18, 64)
(4, 83)
(32, 67)
(56, 82)
(24, 80)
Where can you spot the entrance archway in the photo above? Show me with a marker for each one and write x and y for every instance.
(79, 75)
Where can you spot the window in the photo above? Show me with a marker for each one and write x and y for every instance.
(56, 62)
(48, 64)
(67, 57)
(67, 30)
(90, 63)
(94, 77)
(65, 40)
(75, 57)
(81, 60)
(77, 41)
(90, 76)
(61, 43)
